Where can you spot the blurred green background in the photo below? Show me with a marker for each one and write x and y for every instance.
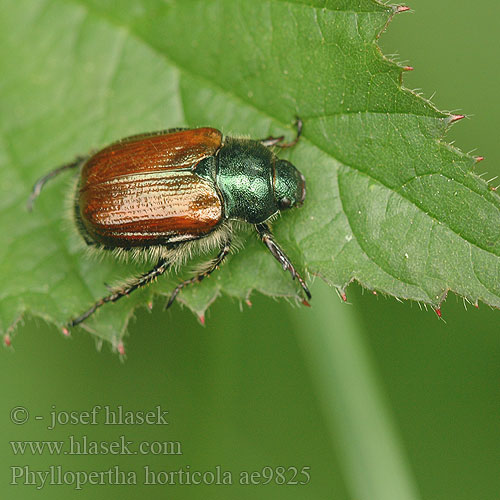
(380, 399)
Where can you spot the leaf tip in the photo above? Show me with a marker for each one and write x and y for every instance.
(305, 303)
(402, 8)
(248, 303)
(438, 312)
(65, 331)
(408, 68)
(7, 340)
(479, 158)
(150, 305)
(201, 317)
(343, 296)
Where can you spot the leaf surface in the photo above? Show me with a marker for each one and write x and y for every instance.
(389, 203)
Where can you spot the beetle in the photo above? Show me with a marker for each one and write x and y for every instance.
(166, 194)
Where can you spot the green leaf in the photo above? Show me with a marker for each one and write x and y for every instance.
(389, 203)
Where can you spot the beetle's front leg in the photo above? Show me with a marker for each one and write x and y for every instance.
(275, 141)
(268, 239)
(272, 141)
(212, 266)
(127, 289)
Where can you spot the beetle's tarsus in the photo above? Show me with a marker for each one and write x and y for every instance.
(267, 238)
(40, 183)
(224, 251)
(139, 282)
(275, 141)
(299, 124)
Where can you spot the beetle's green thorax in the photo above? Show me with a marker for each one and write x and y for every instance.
(245, 180)
(254, 183)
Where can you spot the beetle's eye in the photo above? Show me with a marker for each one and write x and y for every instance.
(284, 203)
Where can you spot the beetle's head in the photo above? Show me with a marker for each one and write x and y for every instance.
(289, 185)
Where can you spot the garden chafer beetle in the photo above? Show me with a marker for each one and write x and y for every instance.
(167, 194)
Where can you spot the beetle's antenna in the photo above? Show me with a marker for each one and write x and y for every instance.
(37, 188)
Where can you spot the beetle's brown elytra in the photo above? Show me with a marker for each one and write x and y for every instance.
(139, 210)
(171, 192)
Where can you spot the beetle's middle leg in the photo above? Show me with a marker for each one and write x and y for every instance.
(213, 265)
(127, 289)
(268, 239)
(275, 141)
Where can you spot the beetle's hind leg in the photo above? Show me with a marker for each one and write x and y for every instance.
(212, 266)
(127, 289)
(268, 239)
(275, 141)
(37, 188)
